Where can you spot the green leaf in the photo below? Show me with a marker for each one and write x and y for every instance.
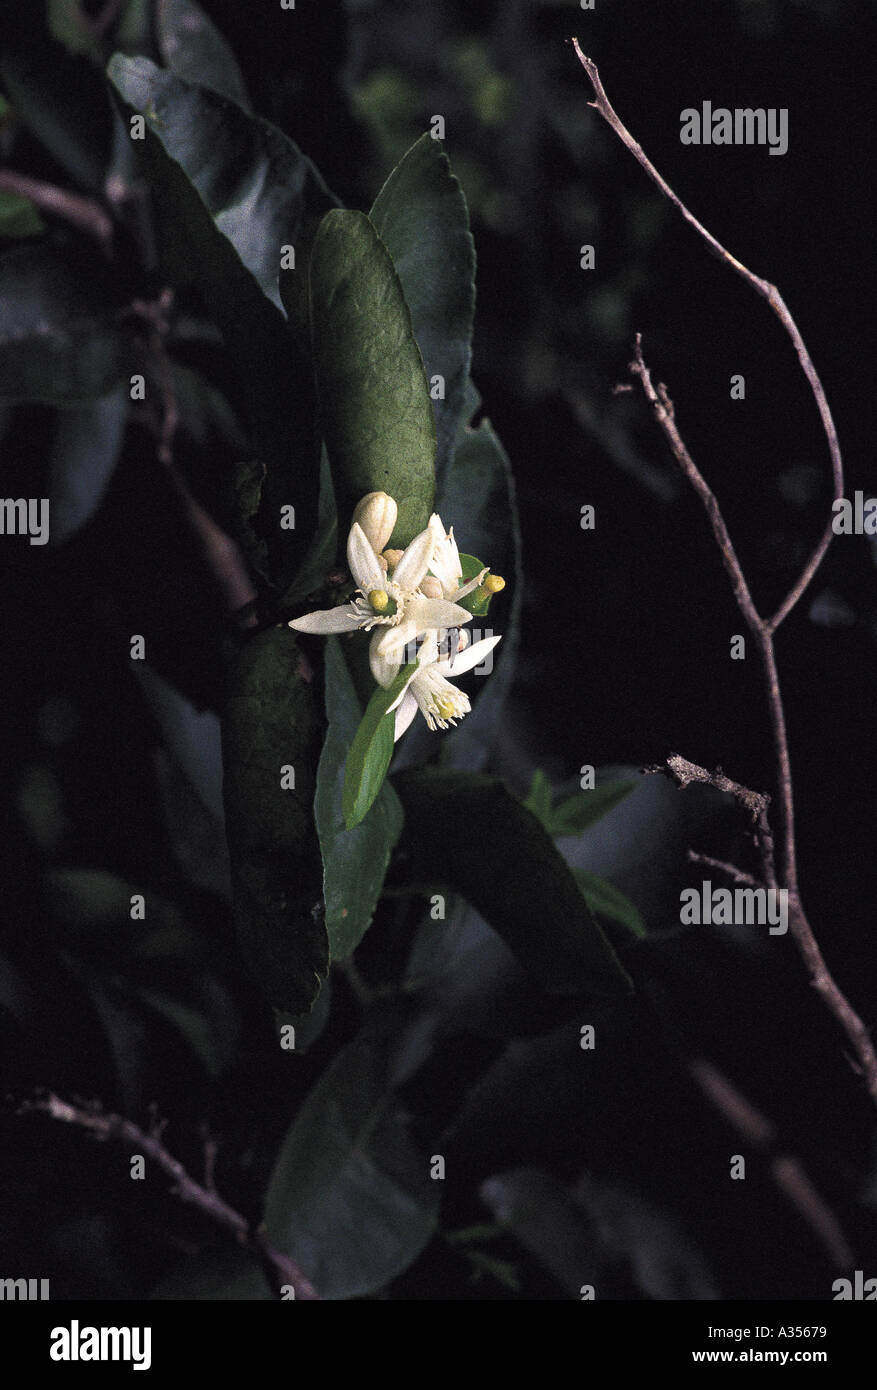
(475, 603)
(477, 498)
(376, 411)
(371, 750)
(270, 722)
(607, 901)
(354, 860)
(61, 339)
(573, 816)
(193, 48)
(539, 798)
(350, 1197)
(18, 216)
(229, 191)
(423, 221)
(466, 832)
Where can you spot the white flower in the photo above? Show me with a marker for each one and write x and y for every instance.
(429, 690)
(445, 564)
(393, 604)
(376, 514)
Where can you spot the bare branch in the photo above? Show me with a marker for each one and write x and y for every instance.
(788, 1172)
(80, 212)
(102, 1126)
(733, 873)
(776, 302)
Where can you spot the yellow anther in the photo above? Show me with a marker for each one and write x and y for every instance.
(444, 707)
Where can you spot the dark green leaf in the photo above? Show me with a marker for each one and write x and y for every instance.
(61, 99)
(350, 1198)
(354, 860)
(371, 750)
(61, 339)
(230, 190)
(466, 832)
(85, 450)
(193, 48)
(478, 500)
(423, 221)
(607, 901)
(18, 216)
(573, 816)
(270, 722)
(376, 411)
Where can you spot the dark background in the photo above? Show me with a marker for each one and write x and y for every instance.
(624, 657)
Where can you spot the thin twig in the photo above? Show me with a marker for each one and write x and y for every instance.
(774, 299)
(681, 771)
(282, 1270)
(763, 629)
(787, 1171)
(730, 870)
(80, 212)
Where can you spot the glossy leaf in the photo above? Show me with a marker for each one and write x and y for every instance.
(270, 723)
(354, 860)
(350, 1197)
(375, 407)
(371, 750)
(467, 833)
(423, 220)
(230, 190)
(193, 48)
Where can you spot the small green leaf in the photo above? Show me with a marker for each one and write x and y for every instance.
(474, 603)
(371, 750)
(376, 411)
(467, 832)
(539, 798)
(354, 860)
(573, 816)
(608, 901)
(423, 221)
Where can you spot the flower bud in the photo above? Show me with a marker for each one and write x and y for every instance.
(493, 583)
(431, 587)
(392, 557)
(376, 514)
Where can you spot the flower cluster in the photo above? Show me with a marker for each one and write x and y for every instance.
(409, 599)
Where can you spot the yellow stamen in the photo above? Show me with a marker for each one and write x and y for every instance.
(444, 707)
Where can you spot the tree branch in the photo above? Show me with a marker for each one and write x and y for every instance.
(280, 1269)
(80, 212)
(768, 292)
(787, 1171)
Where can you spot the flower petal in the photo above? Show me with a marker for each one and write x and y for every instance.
(405, 712)
(363, 562)
(383, 667)
(466, 659)
(426, 613)
(344, 618)
(414, 561)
